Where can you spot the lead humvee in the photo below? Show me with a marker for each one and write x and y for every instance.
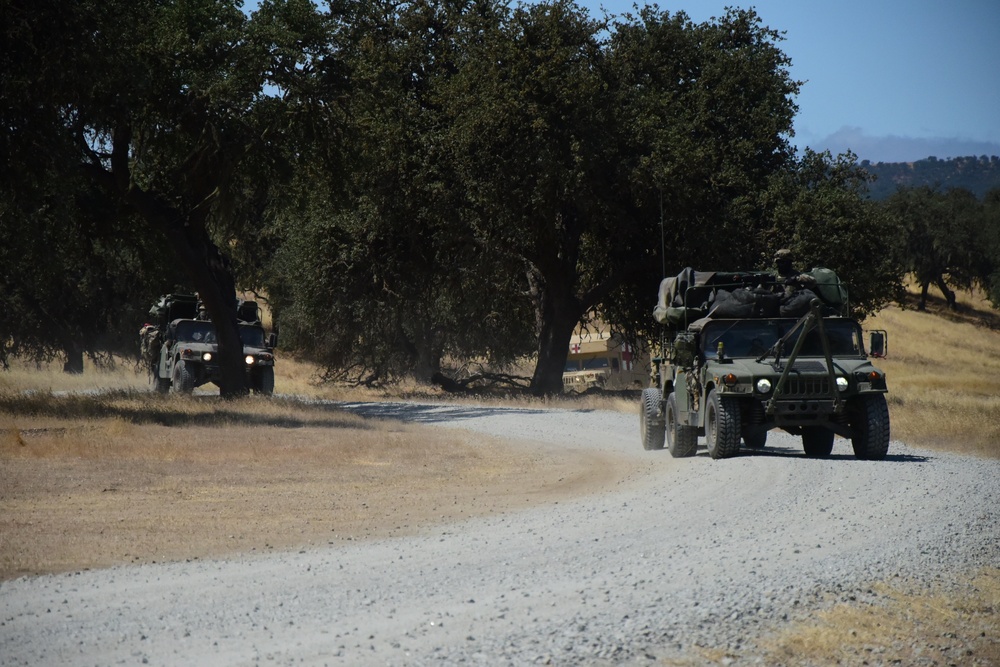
(742, 355)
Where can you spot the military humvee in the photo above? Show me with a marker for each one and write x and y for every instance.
(181, 350)
(742, 354)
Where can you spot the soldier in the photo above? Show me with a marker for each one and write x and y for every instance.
(793, 279)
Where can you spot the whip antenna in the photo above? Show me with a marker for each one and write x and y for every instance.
(663, 242)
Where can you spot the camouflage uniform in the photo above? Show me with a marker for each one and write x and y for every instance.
(793, 279)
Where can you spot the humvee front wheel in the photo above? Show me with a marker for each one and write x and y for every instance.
(869, 416)
(682, 441)
(183, 380)
(264, 381)
(722, 426)
(817, 442)
(651, 426)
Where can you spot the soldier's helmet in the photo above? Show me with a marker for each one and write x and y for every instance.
(783, 262)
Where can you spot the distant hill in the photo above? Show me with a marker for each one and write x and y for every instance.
(977, 174)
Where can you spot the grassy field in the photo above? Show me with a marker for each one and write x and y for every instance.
(90, 479)
(943, 370)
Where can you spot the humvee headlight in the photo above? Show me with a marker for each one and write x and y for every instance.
(842, 383)
(207, 356)
(763, 386)
(249, 359)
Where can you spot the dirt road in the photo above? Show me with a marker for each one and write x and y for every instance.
(647, 560)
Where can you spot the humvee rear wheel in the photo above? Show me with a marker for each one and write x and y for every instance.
(651, 426)
(869, 416)
(682, 441)
(183, 381)
(817, 442)
(722, 426)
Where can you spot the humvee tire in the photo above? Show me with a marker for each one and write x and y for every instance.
(651, 425)
(682, 441)
(817, 441)
(722, 426)
(869, 417)
(263, 381)
(183, 381)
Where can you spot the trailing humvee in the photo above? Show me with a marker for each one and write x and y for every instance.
(181, 351)
(743, 353)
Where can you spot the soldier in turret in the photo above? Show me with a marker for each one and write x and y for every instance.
(793, 279)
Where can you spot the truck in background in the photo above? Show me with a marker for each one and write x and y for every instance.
(601, 359)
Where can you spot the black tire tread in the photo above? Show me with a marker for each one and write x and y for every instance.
(682, 440)
(651, 424)
(817, 442)
(870, 423)
(726, 441)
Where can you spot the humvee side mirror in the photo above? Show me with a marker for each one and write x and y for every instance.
(877, 346)
(272, 340)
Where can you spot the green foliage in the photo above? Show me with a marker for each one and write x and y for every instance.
(823, 215)
(950, 239)
(707, 113)
(990, 239)
(410, 181)
(150, 104)
(380, 275)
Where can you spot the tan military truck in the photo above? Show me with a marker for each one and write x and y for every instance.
(600, 359)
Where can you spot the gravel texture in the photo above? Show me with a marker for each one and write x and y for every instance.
(658, 556)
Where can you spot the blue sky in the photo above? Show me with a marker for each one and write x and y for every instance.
(892, 80)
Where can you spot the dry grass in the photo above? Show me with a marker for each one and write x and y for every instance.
(944, 375)
(127, 476)
(953, 622)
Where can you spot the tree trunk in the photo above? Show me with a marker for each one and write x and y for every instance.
(949, 295)
(428, 359)
(557, 311)
(74, 359)
(922, 303)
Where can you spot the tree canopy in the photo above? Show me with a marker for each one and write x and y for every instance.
(150, 108)
(406, 181)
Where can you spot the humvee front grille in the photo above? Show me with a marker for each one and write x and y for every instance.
(806, 386)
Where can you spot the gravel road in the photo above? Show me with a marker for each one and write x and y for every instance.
(655, 556)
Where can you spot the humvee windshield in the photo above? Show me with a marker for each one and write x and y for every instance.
(198, 331)
(194, 331)
(752, 338)
(252, 336)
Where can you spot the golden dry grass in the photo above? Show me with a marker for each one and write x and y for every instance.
(94, 480)
(953, 623)
(943, 371)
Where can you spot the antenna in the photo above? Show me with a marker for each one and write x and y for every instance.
(663, 242)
